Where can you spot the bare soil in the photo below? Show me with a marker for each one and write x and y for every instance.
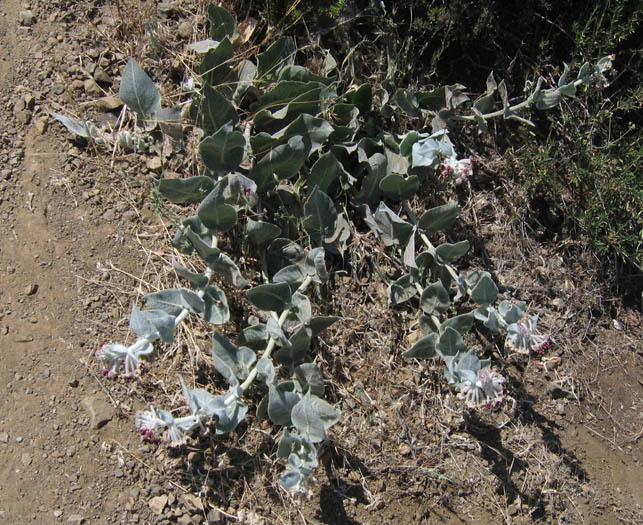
(81, 241)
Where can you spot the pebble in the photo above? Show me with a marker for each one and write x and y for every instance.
(41, 125)
(25, 459)
(157, 504)
(100, 412)
(154, 164)
(108, 103)
(46, 373)
(4, 437)
(556, 392)
(185, 30)
(26, 18)
(102, 77)
(92, 88)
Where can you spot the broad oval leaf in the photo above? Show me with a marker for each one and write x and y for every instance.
(485, 291)
(224, 150)
(174, 300)
(447, 253)
(215, 65)
(282, 162)
(215, 214)
(450, 343)
(310, 378)
(401, 290)
(216, 305)
(281, 400)
(273, 297)
(325, 172)
(293, 273)
(438, 218)
(279, 54)
(423, 348)
(199, 280)
(399, 188)
(138, 91)
(260, 232)
(462, 323)
(239, 360)
(406, 101)
(191, 189)
(307, 421)
(222, 23)
(211, 110)
(228, 269)
(321, 215)
(435, 298)
(152, 324)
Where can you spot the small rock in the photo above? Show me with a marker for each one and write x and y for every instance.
(25, 459)
(154, 164)
(58, 513)
(214, 516)
(46, 373)
(186, 519)
(4, 437)
(31, 289)
(75, 518)
(77, 85)
(193, 503)
(560, 408)
(92, 88)
(118, 473)
(100, 412)
(157, 504)
(185, 30)
(108, 103)
(41, 125)
(556, 392)
(27, 18)
(102, 77)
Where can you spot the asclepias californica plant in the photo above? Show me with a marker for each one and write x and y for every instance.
(292, 166)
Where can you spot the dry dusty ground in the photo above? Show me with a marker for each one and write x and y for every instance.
(80, 240)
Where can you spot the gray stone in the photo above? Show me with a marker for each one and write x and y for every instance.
(157, 504)
(185, 30)
(27, 18)
(102, 77)
(92, 88)
(100, 412)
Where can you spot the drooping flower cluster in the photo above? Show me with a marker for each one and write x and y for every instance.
(151, 422)
(486, 391)
(523, 337)
(113, 355)
(457, 170)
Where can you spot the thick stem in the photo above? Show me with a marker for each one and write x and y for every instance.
(271, 343)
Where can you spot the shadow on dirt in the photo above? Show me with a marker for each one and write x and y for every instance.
(504, 464)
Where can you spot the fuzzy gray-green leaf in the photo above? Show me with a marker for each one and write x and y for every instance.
(273, 297)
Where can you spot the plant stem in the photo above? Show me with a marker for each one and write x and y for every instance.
(271, 343)
(425, 239)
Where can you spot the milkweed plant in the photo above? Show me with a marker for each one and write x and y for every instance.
(292, 165)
